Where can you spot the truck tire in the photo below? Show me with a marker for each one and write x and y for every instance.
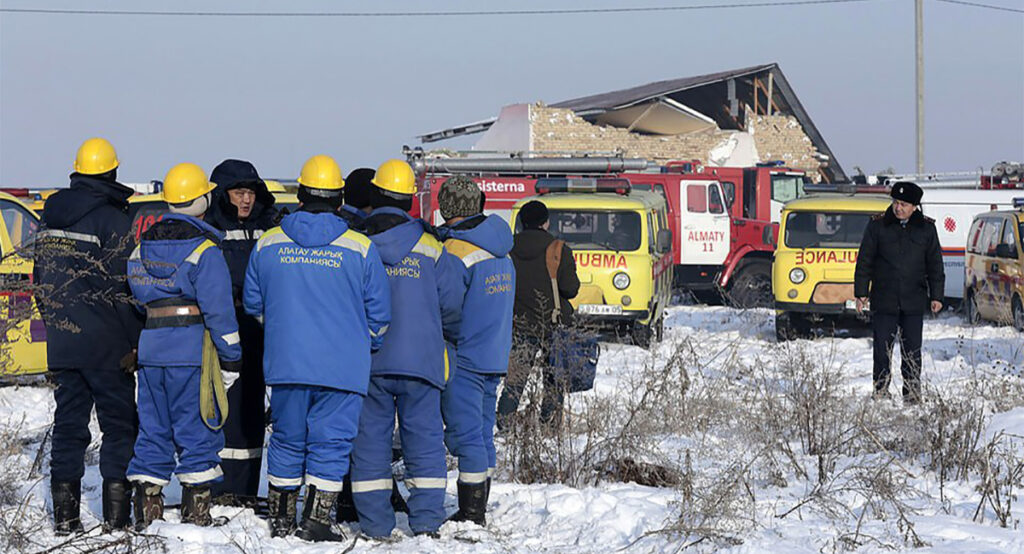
(752, 286)
(971, 316)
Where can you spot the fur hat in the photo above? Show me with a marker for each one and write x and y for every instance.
(907, 192)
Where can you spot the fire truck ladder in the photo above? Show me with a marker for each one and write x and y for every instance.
(517, 164)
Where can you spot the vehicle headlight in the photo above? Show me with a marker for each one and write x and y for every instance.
(621, 281)
(797, 275)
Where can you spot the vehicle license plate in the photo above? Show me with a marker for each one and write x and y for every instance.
(600, 309)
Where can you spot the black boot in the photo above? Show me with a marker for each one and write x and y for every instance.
(67, 500)
(346, 509)
(195, 505)
(472, 503)
(281, 511)
(149, 504)
(398, 503)
(316, 517)
(117, 504)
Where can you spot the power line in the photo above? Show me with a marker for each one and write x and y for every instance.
(978, 5)
(434, 13)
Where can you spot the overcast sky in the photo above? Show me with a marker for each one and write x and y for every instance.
(278, 90)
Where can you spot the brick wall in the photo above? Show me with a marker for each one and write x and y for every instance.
(776, 138)
(780, 137)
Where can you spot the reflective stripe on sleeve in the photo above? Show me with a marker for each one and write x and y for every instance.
(426, 250)
(268, 238)
(241, 453)
(284, 482)
(351, 244)
(81, 237)
(426, 482)
(231, 338)
(201, 476)
(371, 485)
(380, 332)
(193, 258)
(326, 485)
(472, 477)
(473, 258)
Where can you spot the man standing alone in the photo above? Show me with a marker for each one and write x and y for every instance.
(535, 309)
(900, 266)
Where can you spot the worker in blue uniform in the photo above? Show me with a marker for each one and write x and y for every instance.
(243, 208)
(322, 294)
(411, 368)
(178, 274)
(483, 338)
(80, 263)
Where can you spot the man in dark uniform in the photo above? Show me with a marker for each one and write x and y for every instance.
(899, 267)
(243, 208)
(92, 330)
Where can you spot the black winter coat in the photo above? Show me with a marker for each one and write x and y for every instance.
(900, 265)
(533, 303)
(239, 239)
(81, 263)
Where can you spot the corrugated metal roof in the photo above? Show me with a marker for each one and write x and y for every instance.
(635, 95)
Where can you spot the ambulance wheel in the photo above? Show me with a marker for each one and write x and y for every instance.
(642, 335)
(752, 287)
(971, 316)
(791, 326)
(1018, 314)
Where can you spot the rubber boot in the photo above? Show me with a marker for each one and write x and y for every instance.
(117, 504)
(398, 503)
(67, 500)
(149, 504)
(281, 510)
(346, 509)
(316, 517)
(472, 503)
(195, 504)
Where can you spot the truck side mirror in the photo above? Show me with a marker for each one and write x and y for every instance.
(1006, 250)
(663, 242)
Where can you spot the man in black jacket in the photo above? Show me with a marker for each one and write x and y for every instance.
(532, 325)
(243, 208)
(92, 331)
(900, 266)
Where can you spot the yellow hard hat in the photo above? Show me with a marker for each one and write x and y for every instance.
(321, 172)
(184, 183)
(395, 176)
(95, 156)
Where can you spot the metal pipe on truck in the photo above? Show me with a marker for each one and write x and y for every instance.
(528, 165)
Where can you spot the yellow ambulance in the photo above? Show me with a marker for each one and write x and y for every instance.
(812, 273)
(621, 244)
(994, 267)
(23, 346)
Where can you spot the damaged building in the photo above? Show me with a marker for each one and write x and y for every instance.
(733, 118)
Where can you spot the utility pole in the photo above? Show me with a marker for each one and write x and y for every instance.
(919, 28)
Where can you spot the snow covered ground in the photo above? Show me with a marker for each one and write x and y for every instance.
(775, 514)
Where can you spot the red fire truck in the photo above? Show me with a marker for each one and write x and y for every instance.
(724, 220)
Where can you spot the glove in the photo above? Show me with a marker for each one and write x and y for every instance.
(129, 362)
(229, 378)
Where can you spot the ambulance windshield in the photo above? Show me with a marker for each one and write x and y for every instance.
(825, 230)
(594, 230)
